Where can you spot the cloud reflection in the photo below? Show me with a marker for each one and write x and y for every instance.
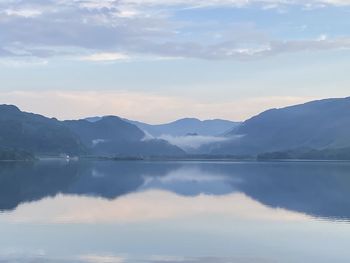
(92, 258)
(153, 205)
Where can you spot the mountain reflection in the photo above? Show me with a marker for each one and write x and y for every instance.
(317, 189)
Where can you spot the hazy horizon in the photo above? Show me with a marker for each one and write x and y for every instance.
(154, 123)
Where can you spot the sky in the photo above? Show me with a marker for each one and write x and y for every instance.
(160, 60)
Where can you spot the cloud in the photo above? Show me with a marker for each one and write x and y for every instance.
(145, 207)
(234, 50)
(27, 13)
(105, 57)
(100, 258)
(94, 258)
(239, 3)
(185, 176)
(170, 259)
(99, 30)
(146, 107)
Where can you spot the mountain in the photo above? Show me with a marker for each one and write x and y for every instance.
(35, 133)
(187, 126)
(111, 135)
(316, 125)
(319, 126)
(109, 128)
(23, 134)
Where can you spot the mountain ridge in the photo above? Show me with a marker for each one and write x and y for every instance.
(317, 124)
(39, 135)
(181, 127)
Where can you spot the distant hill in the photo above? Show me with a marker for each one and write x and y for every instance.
(110, 135)
(35, 133)
(187, 126)
(317, 125)
(25, 134)
(109, 128)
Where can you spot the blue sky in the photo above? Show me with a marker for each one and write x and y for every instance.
(157, 60)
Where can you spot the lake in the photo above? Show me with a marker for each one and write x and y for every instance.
(167, 212)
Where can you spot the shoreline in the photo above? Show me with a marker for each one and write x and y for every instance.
(172, 159)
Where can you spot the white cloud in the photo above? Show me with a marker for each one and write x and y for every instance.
(322, 37)
(208, 3)
(109, 29)
(27, 13)
(94, 258)
(185, 175)
(99, 4)
(94, 4)
(128, 13)
(334, 2)
(97, 57)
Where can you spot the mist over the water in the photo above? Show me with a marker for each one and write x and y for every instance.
(189, 143)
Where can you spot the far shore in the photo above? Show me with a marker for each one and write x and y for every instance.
(193, 158)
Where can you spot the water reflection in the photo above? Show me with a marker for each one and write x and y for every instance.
(149, 206)
(118, 259)
(315, 189)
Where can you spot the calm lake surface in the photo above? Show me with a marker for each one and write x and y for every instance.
(155, 212)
